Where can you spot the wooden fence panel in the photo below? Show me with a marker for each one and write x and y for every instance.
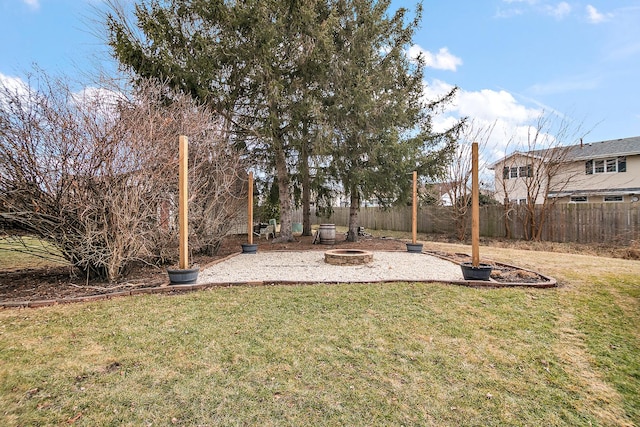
(581, 223)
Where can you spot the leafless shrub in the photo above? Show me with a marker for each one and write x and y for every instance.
(95, 173)
(457, 175)
(528, 178)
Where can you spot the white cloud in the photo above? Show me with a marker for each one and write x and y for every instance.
(33, 4)
(485, 104)
(92, 94)
(560, 10)
(595, 17)
(435, 89)
(510, 119)
(501, 13)
(98, 99)
(15, 86)
(13, 83)
(443, 60)
(519, 7)
(490, 105)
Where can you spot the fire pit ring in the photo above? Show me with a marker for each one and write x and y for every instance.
(348, 257)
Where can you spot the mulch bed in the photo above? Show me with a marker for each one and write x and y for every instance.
(61, 284)
(501, 273)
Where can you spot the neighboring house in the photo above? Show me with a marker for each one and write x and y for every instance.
(607, 171)
(443, 191)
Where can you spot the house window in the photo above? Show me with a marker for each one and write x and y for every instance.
(525, 171)
(622, 164)
(522, 201)
(517, 172)
(598, 166)
(613, 198)
(618, 164)
(578, 199)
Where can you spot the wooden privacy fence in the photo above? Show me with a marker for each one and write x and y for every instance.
(593, 223)
(581, 223)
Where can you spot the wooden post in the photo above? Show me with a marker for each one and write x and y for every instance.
(250, 211)
(475, 207)
(414, 215)
(183, 206)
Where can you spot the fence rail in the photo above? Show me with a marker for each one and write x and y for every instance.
(581, 223)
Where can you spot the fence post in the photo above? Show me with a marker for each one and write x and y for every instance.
(183, 205)
(475, 207)
(250, 211)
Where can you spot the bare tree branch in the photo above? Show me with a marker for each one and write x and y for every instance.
(95, 173)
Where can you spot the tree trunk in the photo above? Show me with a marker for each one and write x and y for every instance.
(460, 208)
(507, 220)
(528, 223)
(354, 208)
(542, 213)
(306, 192)
(286, 234)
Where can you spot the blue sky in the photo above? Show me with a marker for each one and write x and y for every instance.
(512, 59)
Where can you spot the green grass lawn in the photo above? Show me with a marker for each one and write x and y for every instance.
(336, 355)
(42, 254)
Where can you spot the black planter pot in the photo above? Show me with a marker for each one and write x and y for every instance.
(249, 248)
(180, 276)
(481, 272)
(415, 248)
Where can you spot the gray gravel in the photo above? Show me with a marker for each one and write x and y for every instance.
(309, 266)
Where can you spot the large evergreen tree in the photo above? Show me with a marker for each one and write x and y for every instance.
(296, 79)
(382, 123)
(254, 62)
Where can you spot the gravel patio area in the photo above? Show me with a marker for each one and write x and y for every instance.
(309, 266)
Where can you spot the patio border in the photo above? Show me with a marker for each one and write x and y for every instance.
(549, 282)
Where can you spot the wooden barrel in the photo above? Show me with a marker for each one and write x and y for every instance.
(327, 234)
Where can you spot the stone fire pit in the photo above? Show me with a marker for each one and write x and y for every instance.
(348, 257)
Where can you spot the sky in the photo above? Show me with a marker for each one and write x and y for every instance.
(575, 62)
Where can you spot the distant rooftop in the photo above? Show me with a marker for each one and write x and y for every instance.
(611, 148)
(590, 150)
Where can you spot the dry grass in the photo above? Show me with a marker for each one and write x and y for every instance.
(606, 249)
(392, 354)
(24, 252)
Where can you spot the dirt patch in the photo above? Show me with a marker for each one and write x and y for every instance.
(62, 282)
(500, 273)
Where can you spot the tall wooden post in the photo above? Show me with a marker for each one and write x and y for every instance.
(414, 214)
(183, 206)
(250, 211)
(475, 207)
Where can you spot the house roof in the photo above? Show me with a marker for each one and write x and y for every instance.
(611, 148)
(591, 150)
